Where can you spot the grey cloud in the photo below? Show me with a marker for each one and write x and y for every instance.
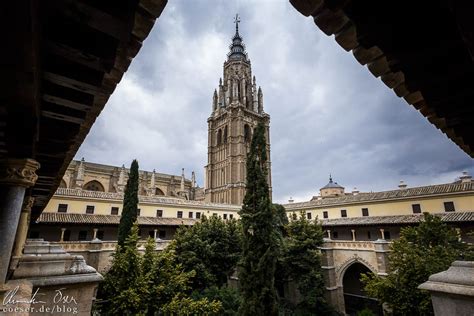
(328, 113)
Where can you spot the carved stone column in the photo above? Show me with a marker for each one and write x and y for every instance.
(22, 231)
(15, 176)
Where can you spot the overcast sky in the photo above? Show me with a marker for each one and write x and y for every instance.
(328, 113)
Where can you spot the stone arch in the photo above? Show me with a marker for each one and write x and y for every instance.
(158, 191)
(94, 185)
(63, 184)
(346, 264)
(355, 298)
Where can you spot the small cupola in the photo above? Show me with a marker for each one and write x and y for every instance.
(332, 189)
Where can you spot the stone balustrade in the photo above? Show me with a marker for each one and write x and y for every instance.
(97, 253)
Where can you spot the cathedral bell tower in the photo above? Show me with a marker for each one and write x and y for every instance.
(237, 108)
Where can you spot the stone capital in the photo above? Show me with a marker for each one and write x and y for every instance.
(27, 204)
(18, 172)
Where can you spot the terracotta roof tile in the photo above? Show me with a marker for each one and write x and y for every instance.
(50, 218)
(453, 217)
(385, 195)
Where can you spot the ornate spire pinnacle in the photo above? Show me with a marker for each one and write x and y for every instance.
(237, 48)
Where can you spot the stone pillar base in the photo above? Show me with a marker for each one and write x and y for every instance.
(61, 284)
(452, 291)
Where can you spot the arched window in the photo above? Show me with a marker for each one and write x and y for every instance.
(62, 184)
(94, 185)
(159, 192)
(219, 137)
(247, 133)
(225, 135)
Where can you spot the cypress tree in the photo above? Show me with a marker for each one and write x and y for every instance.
(260, 236)
(130, 204)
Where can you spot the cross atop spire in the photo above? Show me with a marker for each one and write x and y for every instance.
(237, 21)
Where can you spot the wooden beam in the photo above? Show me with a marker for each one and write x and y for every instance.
(79, 57)
(62, 117)
(73, 84)
(66, 103)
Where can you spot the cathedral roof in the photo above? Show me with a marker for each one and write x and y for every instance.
(237, 48)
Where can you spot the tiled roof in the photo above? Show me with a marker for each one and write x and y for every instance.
(71, 218)
(386, 195)
(453, 217)
(142, 198)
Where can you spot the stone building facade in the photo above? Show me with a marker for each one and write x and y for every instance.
(82, 175)
(237, 107)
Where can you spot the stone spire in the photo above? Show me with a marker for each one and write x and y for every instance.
(80, 174)
(152, 180)
(214, 101)
(121, 180)
(237, 48)
(193, 180)
(181, 188)
(260, 100)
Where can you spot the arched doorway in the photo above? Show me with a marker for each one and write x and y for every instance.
(355, 298)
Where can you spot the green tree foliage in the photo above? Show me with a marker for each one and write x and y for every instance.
(229, 297)
(260, 237)
(210, 247)
(123, 288)
(150, 284)
(185, 306)
(130, 204)
(302, 262)
(421, 251)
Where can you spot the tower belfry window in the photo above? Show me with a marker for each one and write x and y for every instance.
(225, 135)
(219, 137)
(247, 133)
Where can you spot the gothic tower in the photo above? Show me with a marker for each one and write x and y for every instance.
(237, 107)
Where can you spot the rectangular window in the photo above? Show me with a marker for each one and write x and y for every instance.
(308, 215)
(294, 216)
(100, 234)
(138, 211)
(159, 213)
(151, 233)
(82, 235)
(225, 216)
(90, 209)
(334, 235)
(368, 235)
(325, 214)
(180, 214)
(416, 208)
(198, 215)
(387, 235)
(365, 211)
(34, 234)
(231, 216)
(449, 207)
(162, 234)
(190, 214)
(343, 213)
(114, 211)
(62, 208)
